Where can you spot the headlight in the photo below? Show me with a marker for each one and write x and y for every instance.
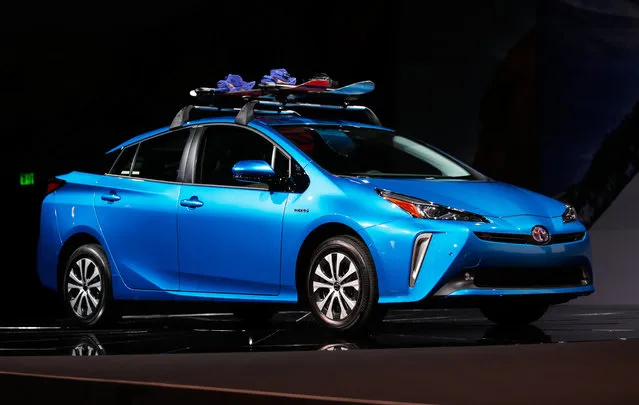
(570, 214)
(428, 210)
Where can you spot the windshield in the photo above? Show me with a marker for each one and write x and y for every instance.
(350, 151)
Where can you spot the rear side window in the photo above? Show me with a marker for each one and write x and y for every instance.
(159, 158)
(122, 166)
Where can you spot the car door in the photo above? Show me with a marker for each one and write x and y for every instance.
(136, 207)
(231, 242)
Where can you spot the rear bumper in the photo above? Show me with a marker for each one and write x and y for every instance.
(458, 263)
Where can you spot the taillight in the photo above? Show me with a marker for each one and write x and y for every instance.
(54, 184)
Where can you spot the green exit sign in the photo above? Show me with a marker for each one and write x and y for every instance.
(27, 179)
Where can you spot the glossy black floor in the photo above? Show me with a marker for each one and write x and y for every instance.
(221, 332)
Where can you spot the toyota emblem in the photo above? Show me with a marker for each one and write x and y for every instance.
(540, 234)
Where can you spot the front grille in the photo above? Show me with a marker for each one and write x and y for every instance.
(527, 239)
(529, 277)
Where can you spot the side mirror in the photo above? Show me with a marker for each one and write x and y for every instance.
(253, 171)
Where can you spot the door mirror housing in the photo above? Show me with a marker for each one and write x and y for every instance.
(253, 171)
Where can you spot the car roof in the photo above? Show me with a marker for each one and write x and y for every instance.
(267, 120)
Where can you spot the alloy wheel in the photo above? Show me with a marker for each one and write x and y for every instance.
(85, 288)
(336, 286)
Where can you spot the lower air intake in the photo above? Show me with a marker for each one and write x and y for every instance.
(506, 277)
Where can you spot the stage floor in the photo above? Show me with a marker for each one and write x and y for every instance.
(430, 357)
(221, 332)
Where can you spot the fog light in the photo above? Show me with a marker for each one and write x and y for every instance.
(419, 252)
(468, 276)
(584, 277)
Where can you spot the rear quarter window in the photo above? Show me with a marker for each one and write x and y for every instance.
(122, 165)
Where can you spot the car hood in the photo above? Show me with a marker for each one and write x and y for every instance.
(487, 198)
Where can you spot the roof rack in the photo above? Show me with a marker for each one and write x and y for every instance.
(312, 94)
(186, 113)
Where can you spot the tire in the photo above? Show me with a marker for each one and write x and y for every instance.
(90, 304)
(348, 308)
(514, 313)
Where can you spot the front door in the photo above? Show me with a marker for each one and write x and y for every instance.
(229, 233)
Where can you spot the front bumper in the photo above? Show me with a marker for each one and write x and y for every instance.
(459, 263)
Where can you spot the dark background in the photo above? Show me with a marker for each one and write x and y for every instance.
(535, 93)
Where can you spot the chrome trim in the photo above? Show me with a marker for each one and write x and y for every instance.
(419, 253)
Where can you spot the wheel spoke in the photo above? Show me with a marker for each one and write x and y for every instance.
(321, 304)
(75, 278)
(329, 310)
(95, 273)
(320, 273)
(331, 267)
(71, 286)
(317, 285)
(83, 270)
(351, 270)
(88, 311)
(97, 285)
(353, 284)
(342, 309)
(338, 261)
(75, 303)
(351, 303)
(91, 299)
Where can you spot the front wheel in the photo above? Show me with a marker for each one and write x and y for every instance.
(514, 312)
(341, 285)
(86, 287)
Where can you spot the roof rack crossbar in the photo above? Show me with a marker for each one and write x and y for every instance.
(246, 114)
(185, 114)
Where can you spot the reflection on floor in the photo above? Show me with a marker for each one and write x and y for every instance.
(202, 333)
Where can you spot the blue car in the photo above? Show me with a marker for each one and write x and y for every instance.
(260, 208)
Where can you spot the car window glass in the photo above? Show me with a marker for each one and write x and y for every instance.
(159, 158)
(281, 164)
(122, 166)
(351, 151)
(222, 147)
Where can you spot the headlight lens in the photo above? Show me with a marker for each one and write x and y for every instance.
(570, 214)
(428, 210)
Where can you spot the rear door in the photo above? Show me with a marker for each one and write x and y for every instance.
(136, 206)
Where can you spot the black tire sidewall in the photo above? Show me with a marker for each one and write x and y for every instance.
(97, 255)
(357, 253)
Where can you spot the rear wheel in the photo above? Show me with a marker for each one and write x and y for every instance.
(86, 287)
(519, 312)
(341, 285)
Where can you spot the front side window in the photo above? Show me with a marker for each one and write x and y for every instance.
(222, 147)
(351, 151)
(159, 158)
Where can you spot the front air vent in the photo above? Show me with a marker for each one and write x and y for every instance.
(417, 258)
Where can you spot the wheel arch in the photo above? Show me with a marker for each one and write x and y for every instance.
(312, 241)
(68, 247)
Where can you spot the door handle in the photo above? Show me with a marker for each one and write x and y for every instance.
(192, 202)
(111, 197)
